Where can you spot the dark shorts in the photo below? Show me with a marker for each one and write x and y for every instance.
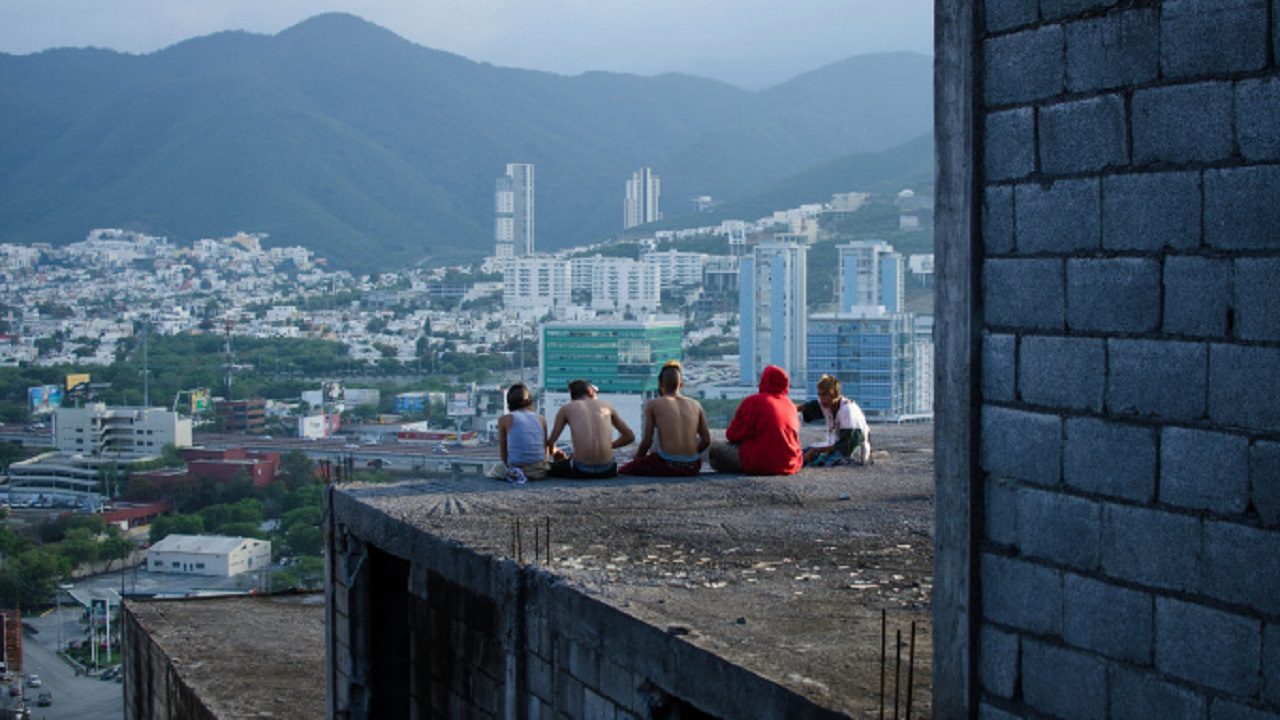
(655, 465)
(582, 471)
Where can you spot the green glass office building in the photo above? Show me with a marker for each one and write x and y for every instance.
(618, 357)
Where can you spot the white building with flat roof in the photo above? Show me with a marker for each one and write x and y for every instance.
(216, 555)
(536, 282)
(118, 432)
(624, 284)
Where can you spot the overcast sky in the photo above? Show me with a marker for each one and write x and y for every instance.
(751, 43)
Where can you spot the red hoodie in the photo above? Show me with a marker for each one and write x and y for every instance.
(766, 428)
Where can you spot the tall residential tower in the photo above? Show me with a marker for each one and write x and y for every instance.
(513, 210)
(772, 289)
(641, 204)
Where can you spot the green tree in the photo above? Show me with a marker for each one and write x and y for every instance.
(297, 469)
(305, 540)
(115, 547)
(79, 547)
(242, 529)
(166, 525)
(311, 569)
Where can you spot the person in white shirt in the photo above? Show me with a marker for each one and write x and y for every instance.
(848, 435)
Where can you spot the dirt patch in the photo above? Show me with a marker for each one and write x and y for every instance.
(786, 576)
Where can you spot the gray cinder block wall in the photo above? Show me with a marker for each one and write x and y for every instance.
(421, 627)
(1108, 441)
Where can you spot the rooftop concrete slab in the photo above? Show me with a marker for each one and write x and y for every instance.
(784, 576)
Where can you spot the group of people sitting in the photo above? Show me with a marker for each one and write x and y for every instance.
(762, 439)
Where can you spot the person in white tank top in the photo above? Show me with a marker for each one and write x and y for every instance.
(522, 439)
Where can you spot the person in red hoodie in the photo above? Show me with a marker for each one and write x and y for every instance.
(763, 438)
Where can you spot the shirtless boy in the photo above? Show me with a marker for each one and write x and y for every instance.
(591, 424)
(680, 425)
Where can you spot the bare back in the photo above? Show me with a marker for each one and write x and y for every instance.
(680, 423)
(591, 423)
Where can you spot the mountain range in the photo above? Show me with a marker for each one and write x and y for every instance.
(341, 136)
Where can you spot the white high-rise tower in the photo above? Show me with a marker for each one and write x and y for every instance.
(641, 203)
(513, 211)
(772, 291)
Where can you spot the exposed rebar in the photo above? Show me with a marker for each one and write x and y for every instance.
(519, 545)
(548, 540)
(897, 668)
(883, 632)
(911, 667)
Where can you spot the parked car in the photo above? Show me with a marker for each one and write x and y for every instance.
(15, 689)
(45, 699)
(33, 680)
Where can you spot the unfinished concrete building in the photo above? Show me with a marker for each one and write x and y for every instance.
(1108, 407)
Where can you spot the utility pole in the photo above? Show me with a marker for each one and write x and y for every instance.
(146, 370)
(230, 359)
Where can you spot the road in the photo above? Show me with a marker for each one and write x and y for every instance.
(74, 697)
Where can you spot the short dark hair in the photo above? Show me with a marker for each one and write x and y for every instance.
(518, 397)
(578, 389)
(669, 382)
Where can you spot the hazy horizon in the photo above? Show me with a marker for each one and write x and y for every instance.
(748, 43)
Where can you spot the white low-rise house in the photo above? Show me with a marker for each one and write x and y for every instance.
(215, 555)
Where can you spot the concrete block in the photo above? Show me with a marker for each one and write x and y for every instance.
(990, 712)
(1009, 148)
(1113, 51)
(1024, 294)
(1001, 511)
(1204, 470)
(1106, 619)
(1228, 710)
(1113, 295)
(1242, 565)
(1240, 208)
(1151, 211)
(1063, 218)
(1212, 37)
(1197, 295)
(596, 706)
(1257, 301)
(539, 677)
(1058, 9)
(1208, 647)
(1062, 372)
(999, 355)
(584, 664)
(1110, 459)
(998, 663)
(1182, 123)
(1008, 14)
(1021, 595)
(620, 684)
(1024, 66)
(1258, 118)
(1021, 445)
(1059, 528)
(568, 697)
(1141, 695)
(1083, 136)
(1264, 480)
(1244, 383)
(1063, 683)
(997, 220)
(1271, 664)
(1164, 379)
(1151, 547)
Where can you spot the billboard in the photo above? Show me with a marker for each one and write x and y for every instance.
(44, 398)
(333, 392)
(199, 401)
(75, 380)
(459, 405)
